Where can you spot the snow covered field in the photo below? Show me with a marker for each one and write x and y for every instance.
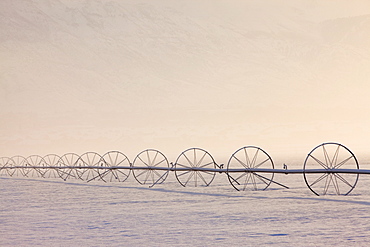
(51, 212)
(284, 75)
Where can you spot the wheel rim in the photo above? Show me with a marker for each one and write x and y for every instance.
(116, 159)
(195, 158)
(330, 156)
(150, 158)
(246, 158)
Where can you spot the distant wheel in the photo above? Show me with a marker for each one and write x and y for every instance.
(116, 159)
(65, 164)
(3, 163)
(187, 163)
(35, 164)
(250, 157)
(330, 156)
(19, 164)
(51, 160)
(149, 159)
(6, 165)
(85, 163)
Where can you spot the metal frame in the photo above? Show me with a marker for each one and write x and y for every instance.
(247, 158)
(195, 167)
(145, 167)
(330, 157)
(330, 168)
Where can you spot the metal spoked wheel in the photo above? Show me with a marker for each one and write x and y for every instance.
(86, 161)
(65, 164)
(51, 160)
(148, 159)
(3, 165)
(6, 165)
(115, 159)
(189, 167)
(35, 161)
(330, 157)
(19, 166)
(250, 157)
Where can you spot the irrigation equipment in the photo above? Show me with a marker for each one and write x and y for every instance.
(330, 168)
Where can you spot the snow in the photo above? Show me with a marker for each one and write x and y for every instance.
(51, 212)
(91, 76)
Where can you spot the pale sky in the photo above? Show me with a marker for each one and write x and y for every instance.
(78, 76)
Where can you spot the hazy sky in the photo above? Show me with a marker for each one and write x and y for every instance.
(78, 76)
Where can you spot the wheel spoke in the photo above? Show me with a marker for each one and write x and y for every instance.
(342, 179)
(125, 174)
(115, 159)
(119, 163)
(184, 173)
(154, 159)
(319, 162)
(191, 175)
(195, 161)
(327, 158)
(93, 178)
(254, 158)
(247, 180)
(71, 174)
(254, 181)
(343, 162)
(113, 175)
(109, 159)
(327, 183)
(147, 176)
(200, 175)
(190, 163)
(262, 163)
(143, 161)
(148, 158)
(103, 174)
(206, 164)
(159, 162)
(156, 172)
(241, 162)
(200, 161)
(161, 179)
(152, 175)
(335, 183)
(319, 179)
(121, 172)
(229, 176)
(335, 158)
(263, 179)
(144, 171)
(183, 165)
(207, 172)
(247, 158)
(242, 175)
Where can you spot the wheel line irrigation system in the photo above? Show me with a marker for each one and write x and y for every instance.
(330, 168)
